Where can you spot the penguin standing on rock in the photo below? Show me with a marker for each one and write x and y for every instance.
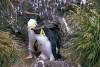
(48, 46)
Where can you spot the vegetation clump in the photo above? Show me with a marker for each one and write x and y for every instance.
(8, 50)
(86, 46)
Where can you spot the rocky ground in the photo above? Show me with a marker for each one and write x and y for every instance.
(22, 62)
(40, 63)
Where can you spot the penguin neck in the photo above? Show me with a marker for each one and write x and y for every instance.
(31, 31)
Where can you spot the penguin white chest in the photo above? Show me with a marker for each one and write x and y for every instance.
(45, 46)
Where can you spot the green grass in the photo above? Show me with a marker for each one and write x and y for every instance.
(86, 46)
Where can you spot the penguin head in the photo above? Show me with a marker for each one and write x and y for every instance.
(32, 23)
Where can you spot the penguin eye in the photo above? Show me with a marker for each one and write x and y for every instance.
(32, 29)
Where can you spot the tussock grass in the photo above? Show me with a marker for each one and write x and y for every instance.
(8, 50)
(86, 47)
